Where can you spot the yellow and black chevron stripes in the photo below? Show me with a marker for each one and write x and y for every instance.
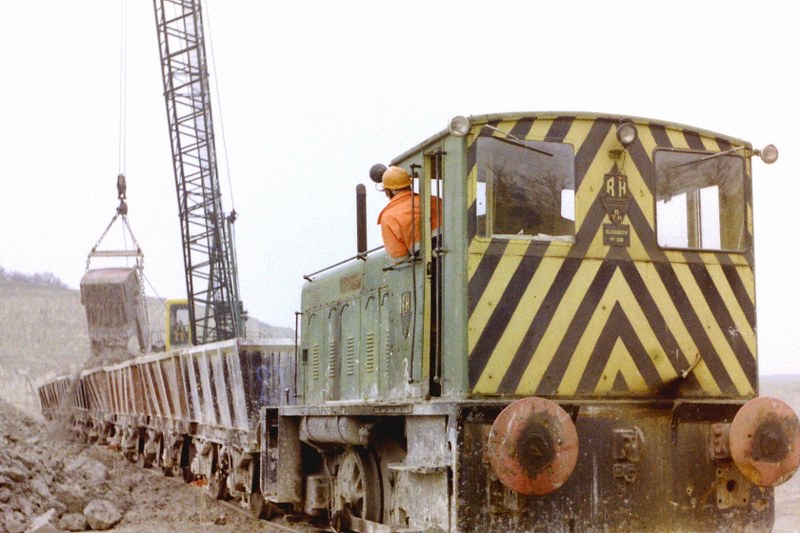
(588, 319)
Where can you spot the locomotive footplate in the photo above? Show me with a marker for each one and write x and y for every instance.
(640, 467)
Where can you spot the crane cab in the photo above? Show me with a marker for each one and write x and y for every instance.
(177, 325)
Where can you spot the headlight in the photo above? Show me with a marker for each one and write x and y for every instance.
(626, 133)
(459, 126)
(769, 154)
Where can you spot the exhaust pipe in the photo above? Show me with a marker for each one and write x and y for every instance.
(361, 220)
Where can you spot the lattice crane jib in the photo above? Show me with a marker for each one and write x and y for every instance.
(209, 259)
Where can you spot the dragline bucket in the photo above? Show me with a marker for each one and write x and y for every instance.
(114, 310)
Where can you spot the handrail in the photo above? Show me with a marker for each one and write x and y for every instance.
(308, 277)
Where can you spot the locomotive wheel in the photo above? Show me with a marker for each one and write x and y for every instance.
(358, 485)
(389, 451)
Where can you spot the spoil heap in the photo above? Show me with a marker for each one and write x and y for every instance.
(51, 483)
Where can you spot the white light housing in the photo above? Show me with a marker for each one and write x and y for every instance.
(626, 133)
(459, 126)
(769, 154)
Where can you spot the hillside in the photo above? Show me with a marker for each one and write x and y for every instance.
(43, 333)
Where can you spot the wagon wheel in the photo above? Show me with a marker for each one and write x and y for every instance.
(141, 460)
(217, 481)
(188, 451)
(358, 485)
(187, 474)
(141, 446)
(260, 507)
(169, 471)
(217, 486)
(131, 454)
(165, 460)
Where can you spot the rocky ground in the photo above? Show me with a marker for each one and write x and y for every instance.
(50, 483)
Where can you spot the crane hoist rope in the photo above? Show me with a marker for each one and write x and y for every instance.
(122, 211)
(123, 88)
(233, 214)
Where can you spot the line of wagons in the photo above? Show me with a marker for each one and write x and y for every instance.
(201, 413)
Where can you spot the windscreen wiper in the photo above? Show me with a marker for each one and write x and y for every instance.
(515, 141)
(706, 158)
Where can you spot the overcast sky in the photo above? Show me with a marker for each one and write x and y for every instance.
(314, 93)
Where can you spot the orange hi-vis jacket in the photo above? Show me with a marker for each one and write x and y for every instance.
(395, 221)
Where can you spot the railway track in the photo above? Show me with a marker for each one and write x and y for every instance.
(254, 524)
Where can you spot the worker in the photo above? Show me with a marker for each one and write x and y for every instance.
(403, 209)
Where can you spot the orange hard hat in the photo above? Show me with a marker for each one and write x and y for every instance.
(395, 178)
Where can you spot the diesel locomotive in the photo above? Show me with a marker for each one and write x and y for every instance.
(574, 349)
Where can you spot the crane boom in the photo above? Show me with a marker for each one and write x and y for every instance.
(215, 310)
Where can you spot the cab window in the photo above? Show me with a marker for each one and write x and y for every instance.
(700, 202)
(525, 189)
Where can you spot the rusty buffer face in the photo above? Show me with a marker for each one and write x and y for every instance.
(533, 446)
(765, 441)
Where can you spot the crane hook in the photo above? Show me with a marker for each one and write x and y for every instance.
(122, 189)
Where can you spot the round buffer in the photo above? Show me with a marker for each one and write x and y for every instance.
(533, 446)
